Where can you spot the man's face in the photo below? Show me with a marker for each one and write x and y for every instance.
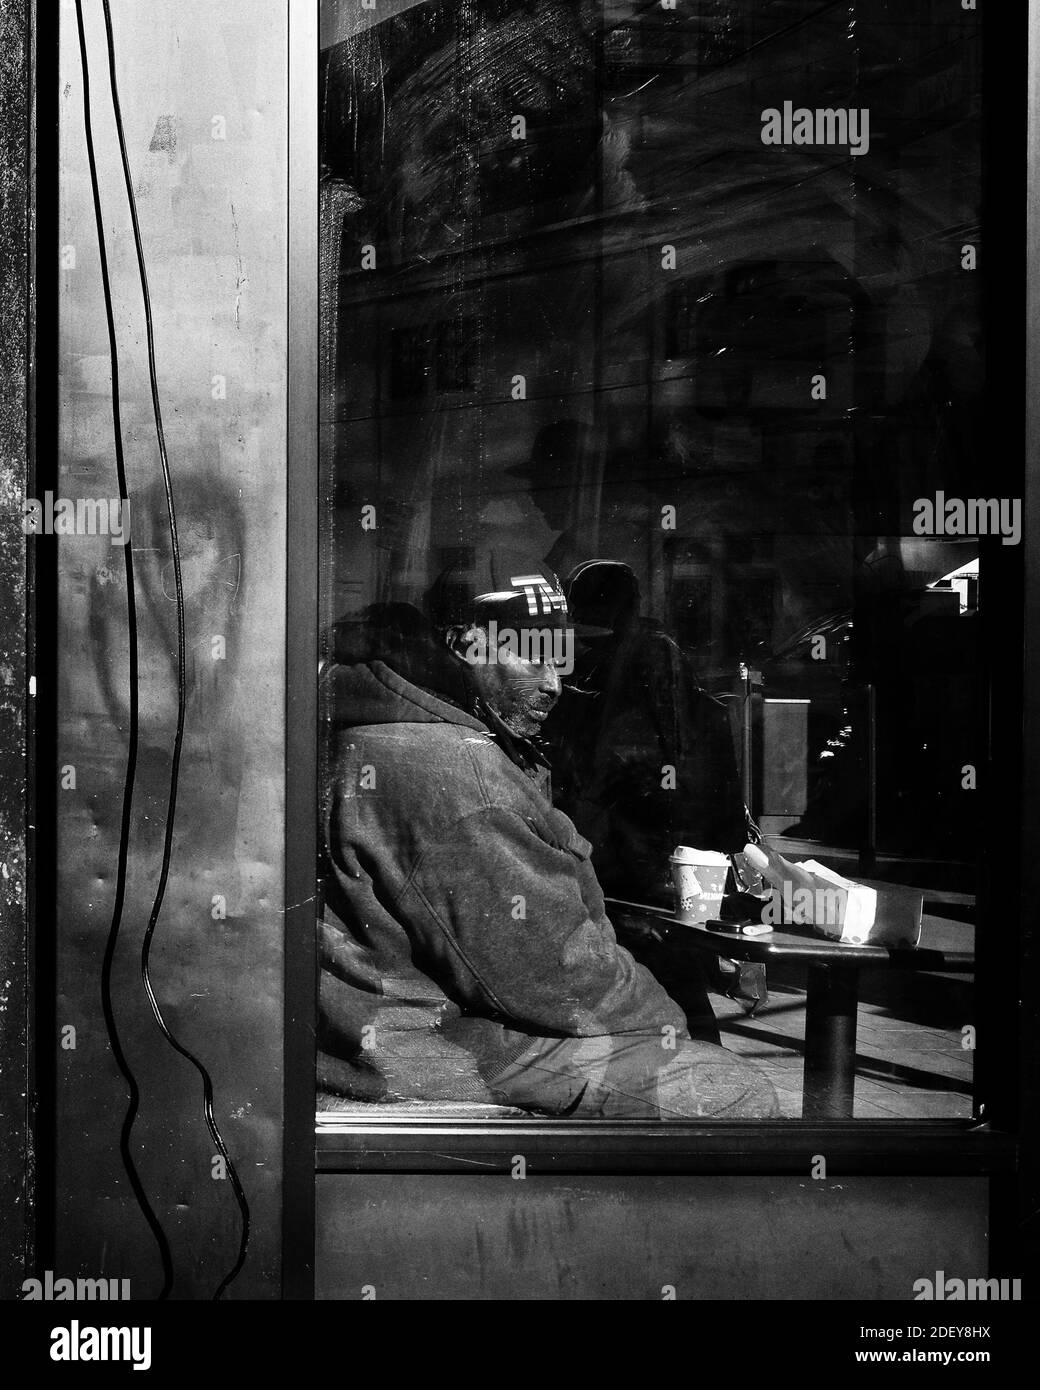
(520, 691)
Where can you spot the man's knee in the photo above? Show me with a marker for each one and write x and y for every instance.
(753, 1096)
(707, 1082)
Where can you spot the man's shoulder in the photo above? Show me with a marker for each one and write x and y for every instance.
(410, 739)
(431, 759)
(421, 751)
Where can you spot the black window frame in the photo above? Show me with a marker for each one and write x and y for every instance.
(1002, 1138)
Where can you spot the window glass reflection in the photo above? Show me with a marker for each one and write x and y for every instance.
(667, 315)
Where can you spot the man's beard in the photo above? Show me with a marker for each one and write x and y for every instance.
(521, 707)
(516, 701)
(521, 716)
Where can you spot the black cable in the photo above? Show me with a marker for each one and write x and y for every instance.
(171, 809)
(133, 683)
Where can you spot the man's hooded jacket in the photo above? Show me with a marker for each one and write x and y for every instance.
(462, 919)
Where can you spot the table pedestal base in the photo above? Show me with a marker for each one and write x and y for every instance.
(830, 1043)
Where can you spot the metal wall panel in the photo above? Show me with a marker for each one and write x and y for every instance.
(390, 1237)
(204, 101)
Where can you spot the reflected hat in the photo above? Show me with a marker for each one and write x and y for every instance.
(600, 592)
(512, 589)
(600, 581)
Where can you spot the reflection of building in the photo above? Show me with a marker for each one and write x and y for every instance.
(774, 351)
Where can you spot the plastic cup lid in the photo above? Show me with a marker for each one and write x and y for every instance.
(685, 854)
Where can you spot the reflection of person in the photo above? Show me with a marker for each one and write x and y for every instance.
(643, 755)
(465, 950)
(560, 451)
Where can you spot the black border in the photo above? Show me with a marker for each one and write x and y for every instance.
(1003, 1009)
(1015, 1229)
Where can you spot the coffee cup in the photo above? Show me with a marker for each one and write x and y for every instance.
(699, 881)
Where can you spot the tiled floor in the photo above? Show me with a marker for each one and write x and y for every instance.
(911, 1062)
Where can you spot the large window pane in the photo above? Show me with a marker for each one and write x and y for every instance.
(690, 292)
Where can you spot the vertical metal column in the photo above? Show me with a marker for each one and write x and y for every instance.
(301, 738)
(830, 1043)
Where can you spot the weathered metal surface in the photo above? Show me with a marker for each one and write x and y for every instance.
(203, 92)
(714, 1238)
(15, 1143)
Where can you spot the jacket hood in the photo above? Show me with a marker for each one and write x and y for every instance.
(371, 692)
(392, 669)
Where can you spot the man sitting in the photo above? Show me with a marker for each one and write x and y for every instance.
(465, 950)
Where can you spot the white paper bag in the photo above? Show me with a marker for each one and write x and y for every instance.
(810, 894)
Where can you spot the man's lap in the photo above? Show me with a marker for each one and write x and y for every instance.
(617, 1076)
(635, 1077)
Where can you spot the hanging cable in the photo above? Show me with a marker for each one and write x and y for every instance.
(130, 776)
(171, 809)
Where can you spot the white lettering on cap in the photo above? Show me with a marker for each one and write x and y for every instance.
(536, 587)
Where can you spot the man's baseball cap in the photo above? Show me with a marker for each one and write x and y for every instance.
(514, 590)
